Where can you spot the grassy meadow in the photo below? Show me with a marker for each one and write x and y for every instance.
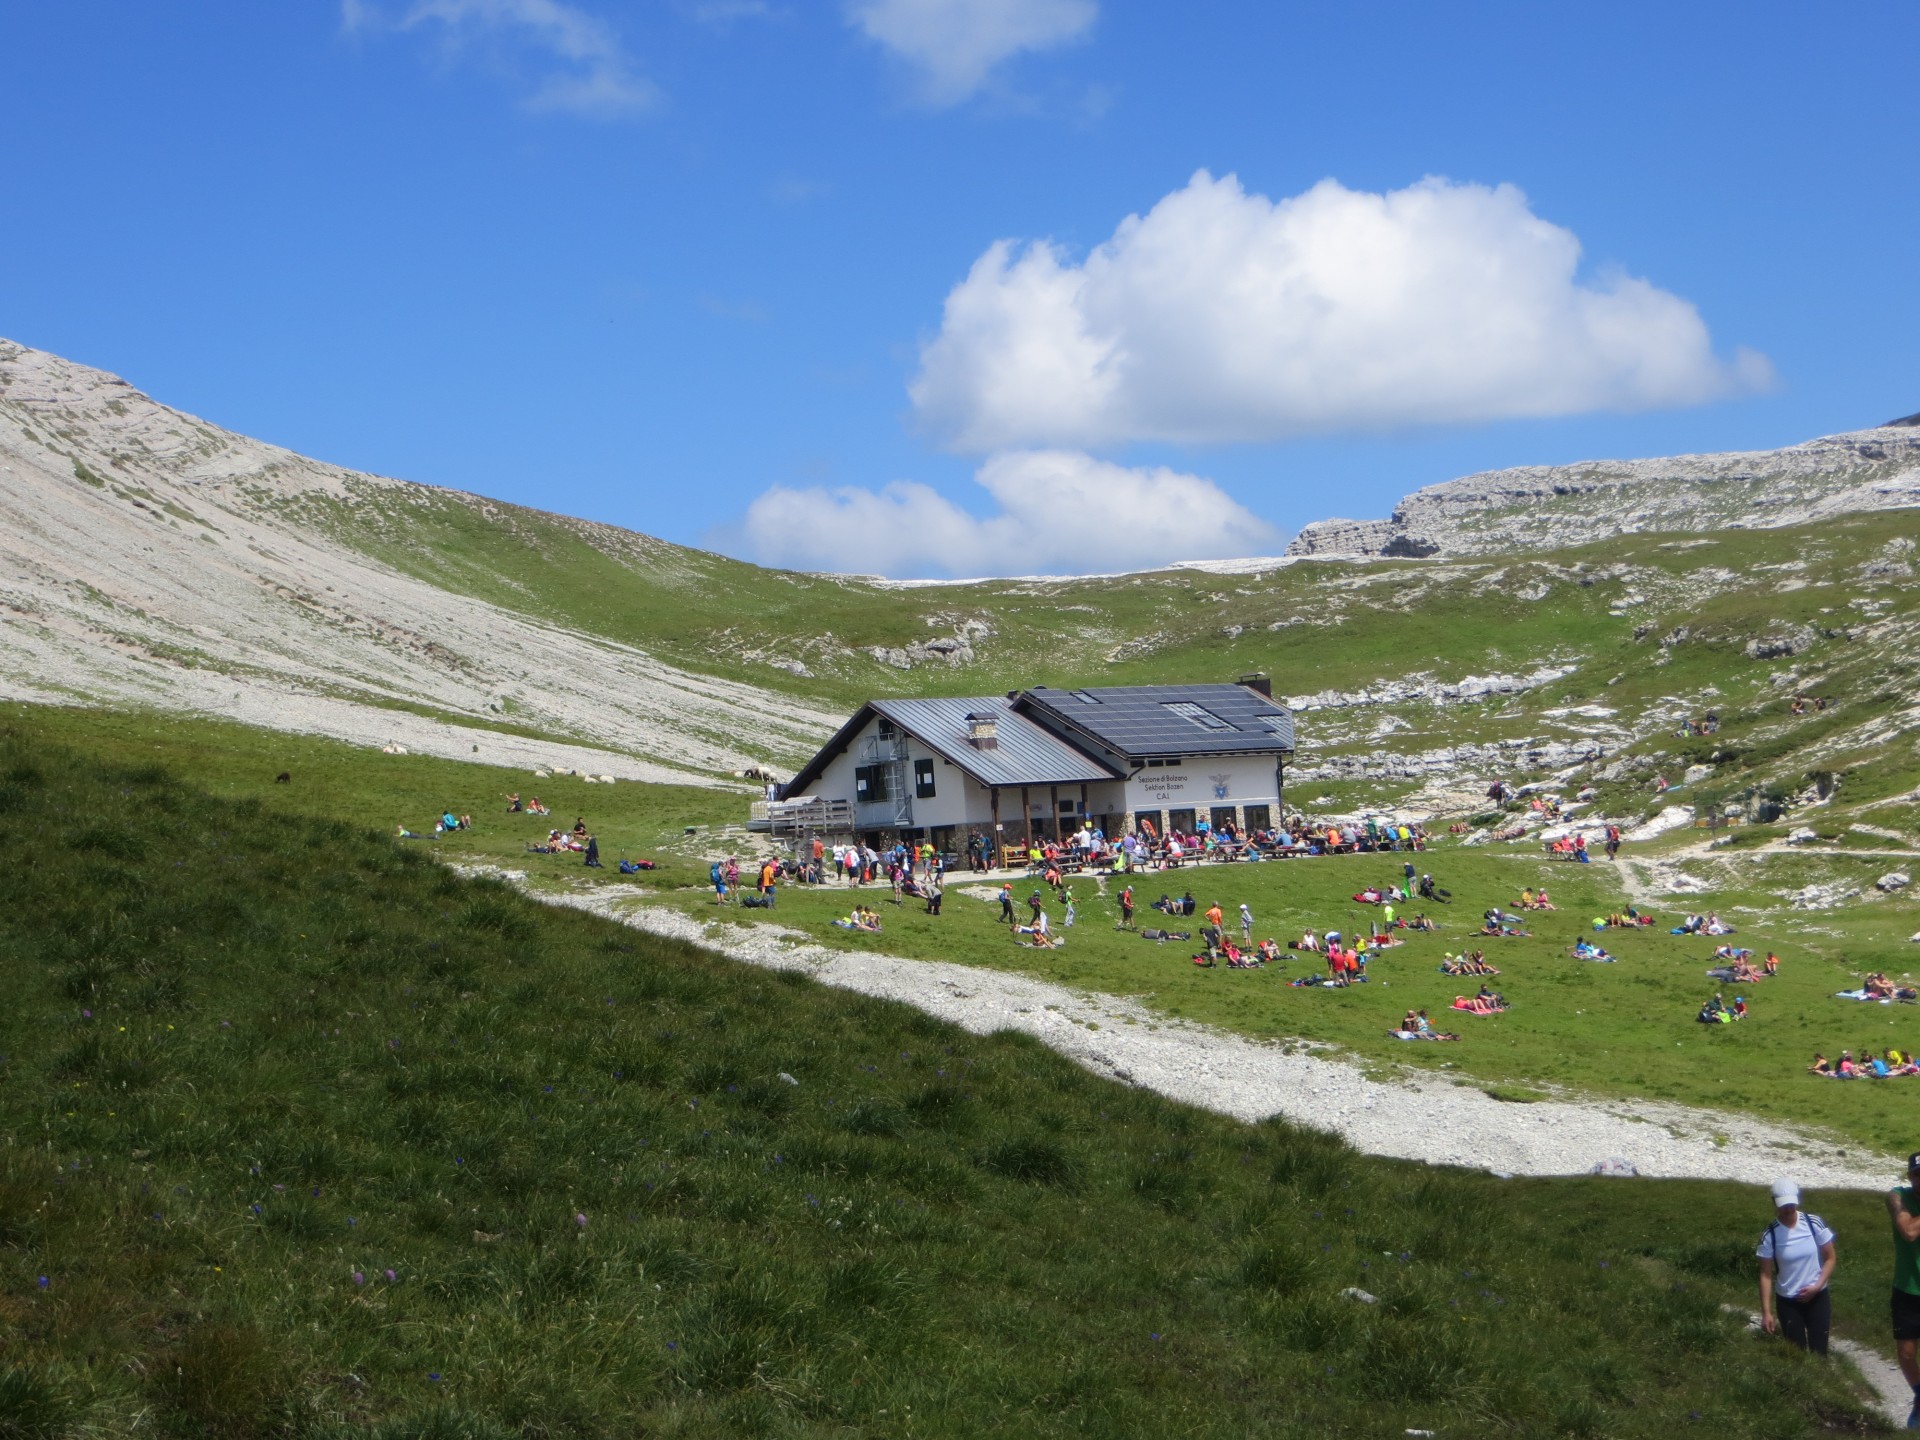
(1621, 1029)
(302, 1134)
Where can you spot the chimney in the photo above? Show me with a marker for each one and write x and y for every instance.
(983, 730)
(1257, 682)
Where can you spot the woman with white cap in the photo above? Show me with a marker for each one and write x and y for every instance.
(1796, 1262)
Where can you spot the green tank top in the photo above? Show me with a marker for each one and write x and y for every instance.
(1906, 1253)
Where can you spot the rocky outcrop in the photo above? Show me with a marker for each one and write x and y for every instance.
(954, 650)
(1551, 506)
(1418, 689)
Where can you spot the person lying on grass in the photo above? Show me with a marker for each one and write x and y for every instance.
(1422, 1035)
(1473, 964)
(1482, 1004)
(1586, 950)
(1740, 972)
(1509, 927)
(1732, 952)
(1421, 922)
(861, 919)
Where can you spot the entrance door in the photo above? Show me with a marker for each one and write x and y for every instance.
(1224, 816)
(1181, 820)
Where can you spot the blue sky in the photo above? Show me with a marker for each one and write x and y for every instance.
(726, 271)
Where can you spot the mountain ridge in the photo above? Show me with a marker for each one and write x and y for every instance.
(1555, 506)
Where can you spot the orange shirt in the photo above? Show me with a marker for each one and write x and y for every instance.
(1214, 917)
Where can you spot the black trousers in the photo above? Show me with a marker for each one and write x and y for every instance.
(1806, 1322)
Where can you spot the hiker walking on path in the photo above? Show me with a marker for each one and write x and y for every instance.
(1126, 908)
(1903, 1207)
(1796, 1263)
(1006, 903)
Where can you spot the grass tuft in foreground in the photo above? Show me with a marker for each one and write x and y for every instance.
(302, 1135)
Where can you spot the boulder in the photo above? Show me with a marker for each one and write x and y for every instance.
(1802, 836)
(1893, 880)
(1696, 773)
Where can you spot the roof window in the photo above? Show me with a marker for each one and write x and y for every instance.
(1198, 714)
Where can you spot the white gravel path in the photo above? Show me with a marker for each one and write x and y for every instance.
(1409, 1116)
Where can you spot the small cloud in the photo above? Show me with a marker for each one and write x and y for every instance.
(748, 311)
(796, 190)
(566, 59)
(722, 13)
(1057, 512)
(957, 44)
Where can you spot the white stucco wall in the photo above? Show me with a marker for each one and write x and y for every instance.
(1197, 784)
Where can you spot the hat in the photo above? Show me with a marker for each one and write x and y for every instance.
(1785, 1192)
(1913, 1161)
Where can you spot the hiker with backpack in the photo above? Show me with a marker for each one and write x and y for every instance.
(1796, 1263)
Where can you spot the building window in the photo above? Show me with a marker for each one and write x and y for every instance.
(870, 783)
(923, 779)
(1259, 817)
(1181, 820)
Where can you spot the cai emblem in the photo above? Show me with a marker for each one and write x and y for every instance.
(1220, 785)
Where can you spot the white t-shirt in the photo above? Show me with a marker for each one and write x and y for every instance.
(1797, 1263)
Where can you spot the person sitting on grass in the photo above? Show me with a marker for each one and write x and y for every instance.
(1421, 922)
(1843, 1068)
(1715, 1012)
(1269, 951)
(514, 807)
(1307, 941)
(1772, 966)
(1821, 1066)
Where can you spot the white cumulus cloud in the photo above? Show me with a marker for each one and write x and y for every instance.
(1059, 512)
(1224, 316)
(955, 44)
(577, 63)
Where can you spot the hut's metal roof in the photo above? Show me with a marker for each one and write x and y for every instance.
(1025, 755)
(1136, 721)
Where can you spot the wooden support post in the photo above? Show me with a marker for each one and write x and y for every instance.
(1026, 817)
(993, 836)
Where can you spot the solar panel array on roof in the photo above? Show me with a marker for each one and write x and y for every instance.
(1150, 720)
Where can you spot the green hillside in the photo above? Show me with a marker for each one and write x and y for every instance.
(1647, 627)
(305, 1135)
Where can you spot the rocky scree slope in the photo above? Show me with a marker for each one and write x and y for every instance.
(1554, 506)
(147, 558)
